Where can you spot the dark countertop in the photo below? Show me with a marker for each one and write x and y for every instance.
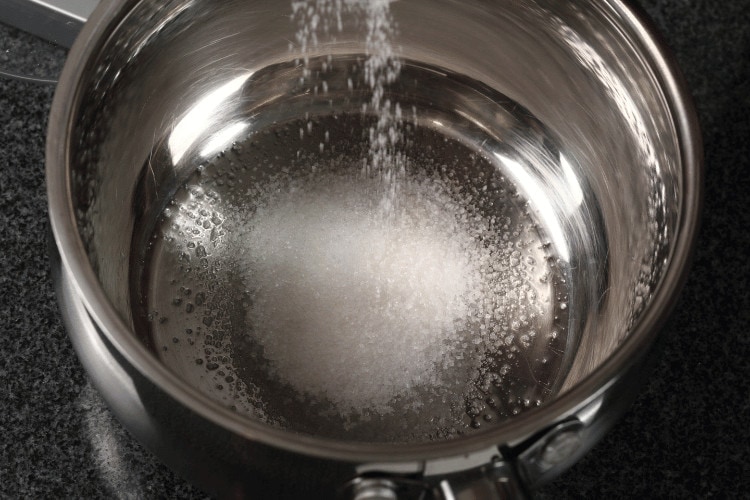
(686, 436)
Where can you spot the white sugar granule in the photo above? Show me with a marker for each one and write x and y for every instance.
(315, 21)
(351, 303)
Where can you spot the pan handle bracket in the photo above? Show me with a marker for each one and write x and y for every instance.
(483, 474)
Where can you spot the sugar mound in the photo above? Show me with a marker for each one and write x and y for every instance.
(354, 303)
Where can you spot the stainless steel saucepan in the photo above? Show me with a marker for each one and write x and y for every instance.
(210, 211)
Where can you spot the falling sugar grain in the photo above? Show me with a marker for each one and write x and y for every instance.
(318, 22)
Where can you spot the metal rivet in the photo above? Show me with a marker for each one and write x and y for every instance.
(560, 448)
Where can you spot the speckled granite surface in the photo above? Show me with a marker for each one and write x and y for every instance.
(686, 436)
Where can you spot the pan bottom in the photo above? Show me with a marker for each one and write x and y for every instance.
(295, 284)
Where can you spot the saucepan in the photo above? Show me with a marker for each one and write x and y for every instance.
(370, 249)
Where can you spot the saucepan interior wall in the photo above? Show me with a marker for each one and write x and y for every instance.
(568, 83)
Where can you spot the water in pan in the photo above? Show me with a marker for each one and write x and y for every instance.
(291, 282)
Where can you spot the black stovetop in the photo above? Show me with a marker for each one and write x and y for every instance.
(686, 436)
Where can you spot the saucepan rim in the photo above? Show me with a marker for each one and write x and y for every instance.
(74, 259)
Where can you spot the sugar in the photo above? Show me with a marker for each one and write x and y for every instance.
(315, 20)
(367, 287)
(351, 304)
